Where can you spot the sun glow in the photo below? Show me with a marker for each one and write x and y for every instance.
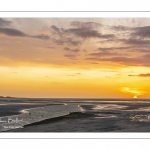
(133, 91)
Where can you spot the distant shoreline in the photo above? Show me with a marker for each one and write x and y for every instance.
(87, 99)
(7, 97)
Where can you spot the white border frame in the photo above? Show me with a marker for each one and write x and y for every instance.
(71, 135)
(73, 14)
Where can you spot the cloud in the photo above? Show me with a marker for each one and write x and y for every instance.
(4, 22)
(131, 75)
(75, 50)
(79, 24)
(78, 32)
(88, 33)
(114, 48)
(41, 36)
(58, 41)
(68, 41)
(146, 56)
(72, 50)
(102, 54)
(105, 49)
(120, 28)
(56, 29)
(83, 30)
(142, 75)
(67, 48)
(12, 32)
(140, 49)
(60, 37)
(143, 32)
(135, 41)
(70, 56)
(93, 58)
(135, 61)
(17, 33)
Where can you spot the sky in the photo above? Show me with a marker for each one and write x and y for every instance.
(75, 57)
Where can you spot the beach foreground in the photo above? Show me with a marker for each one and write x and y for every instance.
(78, 116)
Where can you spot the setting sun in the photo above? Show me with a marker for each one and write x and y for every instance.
(135, 97)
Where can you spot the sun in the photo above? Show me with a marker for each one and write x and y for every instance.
(135, 97)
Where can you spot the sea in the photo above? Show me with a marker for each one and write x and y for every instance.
(74, 115)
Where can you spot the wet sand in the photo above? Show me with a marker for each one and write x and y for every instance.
(91, 117)
(36, 115)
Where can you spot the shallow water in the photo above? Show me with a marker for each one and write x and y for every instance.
(88, 116)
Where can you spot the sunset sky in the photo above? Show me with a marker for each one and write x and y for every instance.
(75, 57)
